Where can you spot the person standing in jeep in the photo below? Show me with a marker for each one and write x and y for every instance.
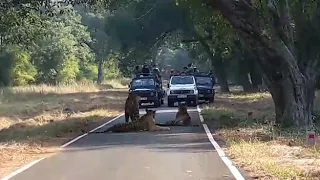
(156, 72)
(212, 76)
(145, 69)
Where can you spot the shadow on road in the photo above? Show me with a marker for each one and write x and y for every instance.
(179, 139)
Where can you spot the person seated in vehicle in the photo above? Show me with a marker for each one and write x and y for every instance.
(145, 69)
(195, 70)
(172, 72)
(184, 70)
(189, 69)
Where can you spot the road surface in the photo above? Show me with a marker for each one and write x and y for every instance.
(184, 153)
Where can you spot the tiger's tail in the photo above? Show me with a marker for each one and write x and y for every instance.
(123, 127)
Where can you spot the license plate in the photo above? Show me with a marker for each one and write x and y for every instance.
(182, 96)
(144, 98)
(201, 95)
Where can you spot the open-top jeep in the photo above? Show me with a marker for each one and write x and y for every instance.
(182, 88)
(147, 86)
(205, 87)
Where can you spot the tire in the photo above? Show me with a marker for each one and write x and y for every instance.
(195, 103)
(211, 100)
(157, 103)
(170, 103)
(162, 101)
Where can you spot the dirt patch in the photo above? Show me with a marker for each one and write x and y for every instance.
(34, 125)
(243, 123)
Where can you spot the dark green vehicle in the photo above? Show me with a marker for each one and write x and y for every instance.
(205, 87)
(148, 88)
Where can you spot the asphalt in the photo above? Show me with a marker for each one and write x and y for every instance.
(182, 153)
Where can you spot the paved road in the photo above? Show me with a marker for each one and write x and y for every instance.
(180, 154)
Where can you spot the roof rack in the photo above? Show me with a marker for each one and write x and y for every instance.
(145, 75)
(189, 74)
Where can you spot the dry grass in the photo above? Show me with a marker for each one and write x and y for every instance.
(264, 151)
(33, 124)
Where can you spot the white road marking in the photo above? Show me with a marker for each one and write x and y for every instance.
(220, 152)
(200, 116)
(225, 159)
(22, 169)
(77, 138)
(27, 166)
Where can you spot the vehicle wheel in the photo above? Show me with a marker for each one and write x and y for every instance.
(170, 103)
(157, 103)
(195, 102)
(162, 101)
(211, 100)
(140, 104)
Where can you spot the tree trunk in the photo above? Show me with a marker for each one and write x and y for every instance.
(292, 107)
(100, 72)
(245, 83)
(220, 72)
(255, 76)
(291, 86)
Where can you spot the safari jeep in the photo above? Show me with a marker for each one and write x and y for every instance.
(182, 88)
(148, 89)
(205, 87)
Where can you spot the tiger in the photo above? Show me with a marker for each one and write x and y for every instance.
(182, 118)
(131, 107)
(145, 123)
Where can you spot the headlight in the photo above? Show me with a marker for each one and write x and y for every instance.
(152, 93)
(209, 91)
(192, 91)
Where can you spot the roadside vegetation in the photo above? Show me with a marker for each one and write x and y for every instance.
(242, 123)
(66, 54)
(33, 123)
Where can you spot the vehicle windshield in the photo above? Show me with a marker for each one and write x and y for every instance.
(206, 81)
(182, 80)
(142, 83)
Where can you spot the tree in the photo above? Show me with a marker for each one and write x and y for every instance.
(287, 53)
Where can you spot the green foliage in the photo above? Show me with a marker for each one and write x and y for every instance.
(38, 48)
(23, 71)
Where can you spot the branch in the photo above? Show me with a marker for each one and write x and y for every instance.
(209, 37)
(146, 13)
(162, 36)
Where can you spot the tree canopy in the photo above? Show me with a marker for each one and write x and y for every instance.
(244, 41)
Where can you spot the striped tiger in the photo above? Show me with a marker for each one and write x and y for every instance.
(131, 107)
(182, 118)
(145, 123)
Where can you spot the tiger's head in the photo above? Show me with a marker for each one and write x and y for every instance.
(182, 107)
(134, 97)
(151, 112)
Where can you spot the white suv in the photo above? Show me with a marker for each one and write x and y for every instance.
(182, 88)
